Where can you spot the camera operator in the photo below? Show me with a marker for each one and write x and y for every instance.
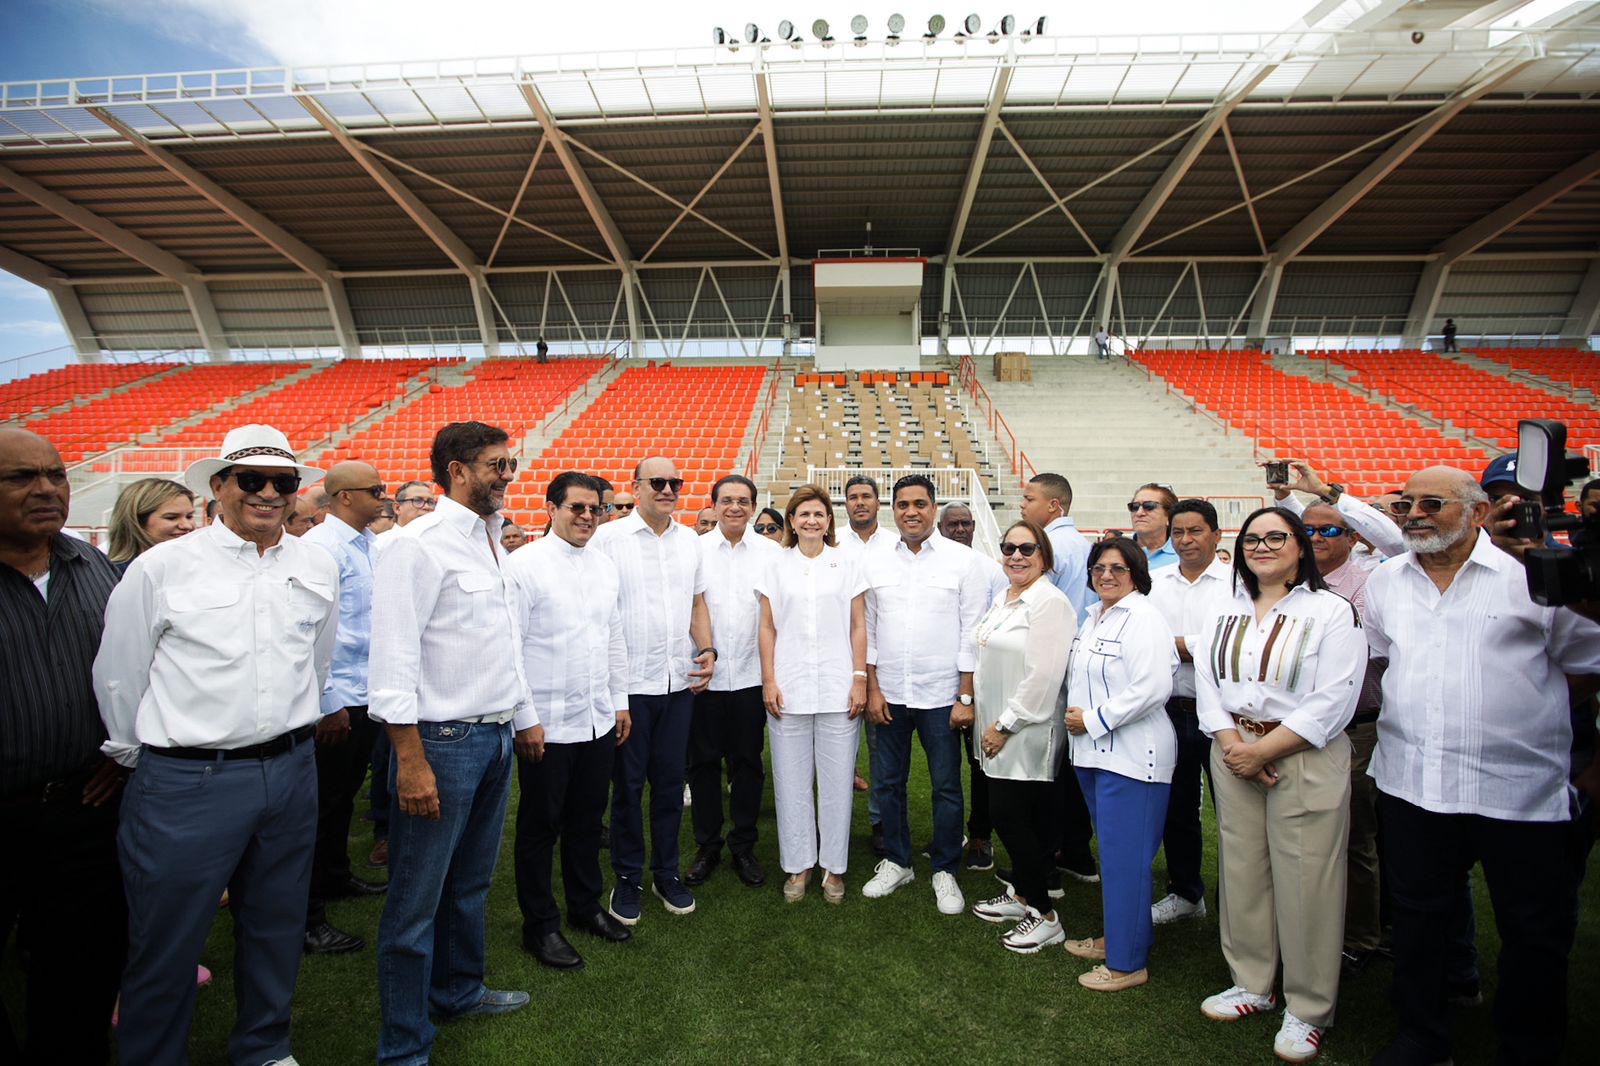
(1373, 526)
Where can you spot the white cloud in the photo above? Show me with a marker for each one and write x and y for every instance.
(34, 327)
(355, 31)
(14, 288)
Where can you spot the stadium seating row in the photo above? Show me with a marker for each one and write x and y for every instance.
(39, 392)
(1581, 370)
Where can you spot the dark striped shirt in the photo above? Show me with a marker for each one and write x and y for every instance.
(49, 720)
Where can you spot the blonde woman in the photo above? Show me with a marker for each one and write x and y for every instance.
(813, 643)
(148, 512)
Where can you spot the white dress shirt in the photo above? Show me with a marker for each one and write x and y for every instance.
(1475, 707)
(1022, 660)
(353, 550)
(994, 579)
(922, 610)
(812, 662)
(1188, 606)
(661, 576)
(210, 644)
(851, 542)
(1301, 665)
(1070, 550)
(446, 639)
(1380, 532)
(1120, 674)
(573, 653)
(731, 573)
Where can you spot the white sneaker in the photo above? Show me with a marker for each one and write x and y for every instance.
(688, 797)
(948, 893)
(888, 876)
(290, 1061)
(1033, 934)
(1005, 908)
(1297, 1041)
(1236, 1003)
(1175, 907)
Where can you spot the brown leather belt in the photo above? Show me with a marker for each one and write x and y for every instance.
(1250, 725)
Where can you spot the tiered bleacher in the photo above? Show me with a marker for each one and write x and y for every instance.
(1368, 448)
(514, 394)
(40, 392)
(1569, 366)
(120, 418)
(1480, 403)
(873, 421)
(309, 410)
(698, 416)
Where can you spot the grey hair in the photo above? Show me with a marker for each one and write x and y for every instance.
(953, 503)
(1471, 492)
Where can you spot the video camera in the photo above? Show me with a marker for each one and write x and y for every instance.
(1557, 576)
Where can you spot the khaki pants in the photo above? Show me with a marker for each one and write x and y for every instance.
(1362, 928)
(1281, 878)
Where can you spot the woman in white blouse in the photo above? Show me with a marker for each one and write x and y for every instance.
(1022, 658)
(1123, 751)
(1277, 673)
(813, 644)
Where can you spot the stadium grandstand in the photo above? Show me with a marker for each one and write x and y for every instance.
(1272, 227)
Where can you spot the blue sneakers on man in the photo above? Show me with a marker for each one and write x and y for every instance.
(673, 895)
(625, 905)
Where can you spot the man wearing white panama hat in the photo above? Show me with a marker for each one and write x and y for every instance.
(209, 680)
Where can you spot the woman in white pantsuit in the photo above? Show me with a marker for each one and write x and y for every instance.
(814, 685)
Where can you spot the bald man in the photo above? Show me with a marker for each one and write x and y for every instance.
(356, 498)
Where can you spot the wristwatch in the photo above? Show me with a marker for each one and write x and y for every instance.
(964, 699)
(707, 648)
(1335, 490)
(1002, 730)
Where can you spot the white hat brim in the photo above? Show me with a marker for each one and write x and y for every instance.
(198, 476)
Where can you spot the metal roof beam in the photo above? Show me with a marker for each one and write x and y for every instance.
(1425, 303)
(1535, 199)
(344, 322)
(769, 145)
(598, 213)
(1583, 317)
(69, 309)
(980, 155)
(27, 268)
(1315, 224)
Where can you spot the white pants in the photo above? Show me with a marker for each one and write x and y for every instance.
(807, 746)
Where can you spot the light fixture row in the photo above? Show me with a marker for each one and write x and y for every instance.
(971, 26)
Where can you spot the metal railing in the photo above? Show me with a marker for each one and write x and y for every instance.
(950, 484)
(752, 466)
(967, 376)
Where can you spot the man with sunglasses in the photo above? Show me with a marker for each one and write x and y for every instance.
(667, 627)
(345, 734)
(1374, 525)
(575, 661)
(447, 684)
(210, 678)
(623, 504)
(1471, 767)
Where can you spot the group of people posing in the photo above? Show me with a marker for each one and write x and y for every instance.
(195, 718)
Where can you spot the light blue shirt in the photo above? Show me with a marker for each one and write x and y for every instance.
(1162, 556)
(352, 549)
(1071, 573)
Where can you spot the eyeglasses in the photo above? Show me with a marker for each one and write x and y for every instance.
(578, 510)
(623, 507)
(255, 481)
(1273, 541)
(1113, 569)
(503, 467)
(767, 527)
(426, 503)
(1008, 549)
(21, 478)
(741, 501)
(1327, 532)
(377, 492)
(1426, 504)
(664, 484)
(1135, 506)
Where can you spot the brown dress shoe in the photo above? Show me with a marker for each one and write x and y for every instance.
(1101, 979)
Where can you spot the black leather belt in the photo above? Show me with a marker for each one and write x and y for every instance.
(265, 750)
(1362, 719)
(1182, 703)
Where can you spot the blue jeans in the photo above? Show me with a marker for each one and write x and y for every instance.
(891, 766)
(1128, 818)
(656, 751)
(431, 937)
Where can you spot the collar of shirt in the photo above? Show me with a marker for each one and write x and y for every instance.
(1164, 552)
(849, 531)
(65, 549)
(345, 532)
(466, 521)
(720, 540)
(934, 542)
(1064, 522)
(1484, 553)
(554, 543)
(233, 544)
(1215, 569)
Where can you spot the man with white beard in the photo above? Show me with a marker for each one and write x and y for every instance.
(1471, 766)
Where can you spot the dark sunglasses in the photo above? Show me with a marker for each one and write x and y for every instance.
(1142, 505)
(377, 492)
(578, 510)
(1008, 549)
(623, 507)
(1427, 505)
(503, 467)
(1327, 532)
(769, 527)
(255, 481)
(663, 484)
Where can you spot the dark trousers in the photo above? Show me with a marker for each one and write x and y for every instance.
(731, 726)
(980, 819)
(1074, 830)
(891, 767)
(1181, 836)
(655, 752)
(190, 829)
(1024, 816)
(341, 768)
(563, 797)
(61, 888)
(1531, 886)
(378, 791)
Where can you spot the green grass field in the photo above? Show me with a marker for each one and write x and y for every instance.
(748, 978)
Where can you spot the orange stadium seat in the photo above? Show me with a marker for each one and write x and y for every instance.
(39, 392)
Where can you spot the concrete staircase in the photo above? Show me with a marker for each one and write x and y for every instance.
(1526, 377)
(540, 437)
(1108, 429)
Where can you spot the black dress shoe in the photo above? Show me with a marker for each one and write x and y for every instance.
(602, 925)
(704, 864)
(353, 887)
(749, 871)
(879, 848)
(324, 939)
(552, 950)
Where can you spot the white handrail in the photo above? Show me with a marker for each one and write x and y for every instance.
(950, 484)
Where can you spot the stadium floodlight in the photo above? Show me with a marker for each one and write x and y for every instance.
(786, 30)
(719, 35)
(752, 33)
(1038, 27)
(819, 30)
(897, 22)
(858, 26)
(935, 27)
(973, 24)
(1008, 23)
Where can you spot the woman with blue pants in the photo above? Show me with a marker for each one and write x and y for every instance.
(1123, 750)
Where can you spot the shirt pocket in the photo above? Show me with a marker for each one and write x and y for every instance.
(472, 597)
(941, 592)
(309, 603)
(203, 619)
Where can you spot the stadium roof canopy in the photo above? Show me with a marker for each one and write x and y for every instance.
(1379, 165)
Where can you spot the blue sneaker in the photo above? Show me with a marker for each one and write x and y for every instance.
(625, 905)
(493, 1002)
(673, 895)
